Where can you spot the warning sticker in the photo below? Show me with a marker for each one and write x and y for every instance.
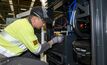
(35, 42)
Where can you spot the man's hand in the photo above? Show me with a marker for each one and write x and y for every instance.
(57, 39)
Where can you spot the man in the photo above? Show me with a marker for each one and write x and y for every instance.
(19, 37)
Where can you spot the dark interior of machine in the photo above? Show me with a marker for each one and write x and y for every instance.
(72, 19)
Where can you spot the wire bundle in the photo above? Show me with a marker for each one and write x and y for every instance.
(71, 15)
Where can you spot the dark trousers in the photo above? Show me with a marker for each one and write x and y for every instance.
(22, 61)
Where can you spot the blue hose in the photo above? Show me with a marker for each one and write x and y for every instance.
(72, 8)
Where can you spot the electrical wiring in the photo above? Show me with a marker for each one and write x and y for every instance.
(71, 16)
(71, 12)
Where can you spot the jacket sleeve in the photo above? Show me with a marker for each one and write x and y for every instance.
(32, 43)
(44, 47)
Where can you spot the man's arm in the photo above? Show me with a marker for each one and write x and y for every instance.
(45, 46)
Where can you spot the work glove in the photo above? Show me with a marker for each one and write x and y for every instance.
(57, 39)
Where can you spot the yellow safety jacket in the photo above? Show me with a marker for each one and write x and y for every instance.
(23, 31)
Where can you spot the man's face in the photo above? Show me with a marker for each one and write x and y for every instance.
(36, 22)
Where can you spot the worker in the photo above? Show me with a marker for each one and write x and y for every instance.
(19, 36)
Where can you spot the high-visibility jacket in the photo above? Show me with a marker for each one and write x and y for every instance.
(23, 31)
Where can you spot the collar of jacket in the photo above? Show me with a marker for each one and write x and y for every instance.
(29, 20)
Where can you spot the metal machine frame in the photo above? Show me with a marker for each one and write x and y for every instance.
(99, 34)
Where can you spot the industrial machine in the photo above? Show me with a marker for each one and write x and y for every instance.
(72, 19)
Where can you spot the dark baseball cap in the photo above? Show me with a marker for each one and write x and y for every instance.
(41, 12)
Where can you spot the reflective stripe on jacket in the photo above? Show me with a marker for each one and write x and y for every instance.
(23, 31)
